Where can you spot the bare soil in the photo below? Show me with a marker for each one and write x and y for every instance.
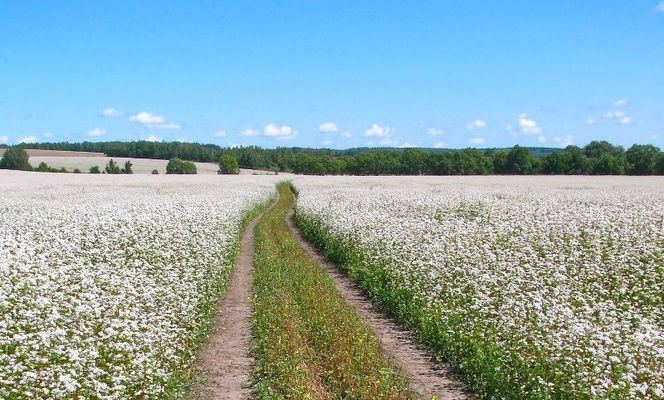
(225, 361)
(428, 378)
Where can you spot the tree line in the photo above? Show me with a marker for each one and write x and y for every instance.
(597, 157)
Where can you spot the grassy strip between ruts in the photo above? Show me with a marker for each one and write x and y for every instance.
(307, 342)
(181, 383)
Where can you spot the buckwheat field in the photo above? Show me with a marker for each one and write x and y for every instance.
(107, 283)
(532, 287)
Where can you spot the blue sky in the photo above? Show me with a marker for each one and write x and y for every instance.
(334, 74)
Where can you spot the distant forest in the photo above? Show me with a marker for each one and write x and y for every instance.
(598, 157)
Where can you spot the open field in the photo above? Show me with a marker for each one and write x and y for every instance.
(107, 283)
(57, 153)
(540, 287)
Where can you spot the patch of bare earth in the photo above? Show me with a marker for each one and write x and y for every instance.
(428, 378)
(225, 361)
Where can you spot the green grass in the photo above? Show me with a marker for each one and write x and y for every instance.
(307, 342)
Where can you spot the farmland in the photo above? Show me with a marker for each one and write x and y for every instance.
(530, 287)
(107, 283)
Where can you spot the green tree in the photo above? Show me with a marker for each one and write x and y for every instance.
(15, 158)
(177, 166)
(228, 165)
(127, 168)
(112, 167)
(95, 169)
(642, 159)
(519, 161)
(43, 167)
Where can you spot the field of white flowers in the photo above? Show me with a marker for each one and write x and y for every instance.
(533, 287)
(107, 282)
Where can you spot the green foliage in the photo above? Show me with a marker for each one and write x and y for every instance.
(77, 171)
(43, 167)
(112, 167)
(228, 165)
(15, 158)
(127, 168)
(155, 172)
(307, 342)
(178, 166)
(598, 157)
(95, 169)
(642, 159)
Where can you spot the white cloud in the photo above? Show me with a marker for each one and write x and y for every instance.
(590, 121)
(541, 139)
(28, 139)
(477, 124)
(279, 132)
(153, 138)
(327, 142)
(47, 134)
(389, 142)
(564, 141)
(96, 132)
(620, 103)
(153, 121)
(347, 134)
(660, 7)
(619, 116)
(4, 139)
(439, 145)
(328, 127)
(221, 133)
(110, 112)
(407, 145)
(435, 131)
(476, 141)
(376, 130)
(528, 126)
(250, 132)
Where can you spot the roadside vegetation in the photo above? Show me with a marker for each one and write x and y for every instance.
(307, 342)
(595, 158)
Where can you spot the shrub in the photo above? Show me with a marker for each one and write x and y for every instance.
(15, 158)
(77, 171)
(155, 172)
(127, 168)
(228, 165)
(112, 167)
(95, 169)
(178, 166)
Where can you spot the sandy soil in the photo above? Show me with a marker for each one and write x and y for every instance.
(57, 153)
(225, 361)
(426, 377)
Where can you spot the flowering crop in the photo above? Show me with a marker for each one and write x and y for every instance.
(538, 287)
(107, 283)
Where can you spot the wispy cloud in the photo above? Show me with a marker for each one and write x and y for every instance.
(529, 126)
(272, 130)
(153, 121)
(4, 139)
(279, 131)
(433, 131)
(220, 133)
(153, 138)
(328, 127)
(439, 145)
(347, 134)
(376, 130)
(407, 145)
(541, 139)
(476, 141)
(47, 134)
(96, 132)
(111, 112)
(619, 116)
(620, 103)
(477, 124)
(564, 141)
(660, 7)
(590, 121)
(28, 139)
